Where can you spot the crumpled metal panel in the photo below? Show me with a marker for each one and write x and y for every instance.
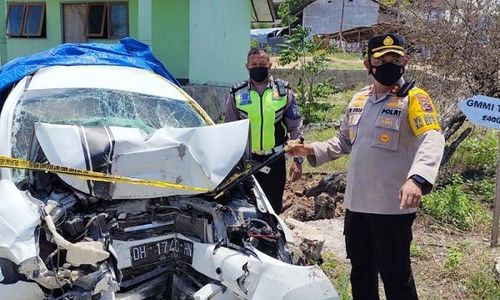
(19, 217)
(200, 157)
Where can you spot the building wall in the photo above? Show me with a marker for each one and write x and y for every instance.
(170, 35)
(3, 46)
(220, 39)
(17, 47)
(324, 16)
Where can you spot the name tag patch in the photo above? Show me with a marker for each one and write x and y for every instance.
(391, 112)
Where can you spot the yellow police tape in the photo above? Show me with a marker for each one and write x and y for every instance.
(15, 163)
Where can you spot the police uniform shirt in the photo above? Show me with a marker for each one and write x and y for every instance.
(389, 139)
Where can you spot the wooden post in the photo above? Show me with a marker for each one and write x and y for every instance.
(496, 210)
(341, 25)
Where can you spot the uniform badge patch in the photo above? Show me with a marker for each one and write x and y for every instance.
(384, 138)
(425, 102)
(245, 99)
(394, 102)
(361, 97)
(418, 122)
(387, 121)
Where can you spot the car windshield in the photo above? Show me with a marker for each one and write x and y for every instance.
(96, 107)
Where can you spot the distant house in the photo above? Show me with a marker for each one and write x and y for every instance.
(351, 20)
(199, 41)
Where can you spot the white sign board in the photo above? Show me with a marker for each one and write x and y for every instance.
(482, 110)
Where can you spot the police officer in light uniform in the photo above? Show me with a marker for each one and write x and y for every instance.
(274, 117)
(396, 146)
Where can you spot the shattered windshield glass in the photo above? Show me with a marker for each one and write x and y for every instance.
(96, 107)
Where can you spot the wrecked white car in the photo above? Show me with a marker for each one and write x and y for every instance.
(207, 233)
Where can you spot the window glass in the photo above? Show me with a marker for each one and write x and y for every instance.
(96, 107)
(118, 19)
(34, 19)
(96, 18)
(15, 19)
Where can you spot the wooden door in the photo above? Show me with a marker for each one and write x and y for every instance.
(74, 22)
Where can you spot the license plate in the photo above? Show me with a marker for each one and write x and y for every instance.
(172, 248)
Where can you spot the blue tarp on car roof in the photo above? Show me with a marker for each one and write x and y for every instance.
(127, 52)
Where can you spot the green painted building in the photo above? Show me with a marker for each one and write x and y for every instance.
(199, 41)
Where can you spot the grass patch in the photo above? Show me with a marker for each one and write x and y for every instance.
(477, 151)
(416, 251)
(337, 61)
(345, 61)
(334, 106)
(339, 274)
(481, 189)
(336, 64)
(337, 165)
(450, 204)
(482, 284)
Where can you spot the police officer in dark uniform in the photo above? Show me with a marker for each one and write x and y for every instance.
(274, 117)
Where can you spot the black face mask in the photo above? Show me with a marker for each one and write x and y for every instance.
(387, 74)
(259, 74)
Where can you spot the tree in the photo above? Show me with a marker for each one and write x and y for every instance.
(285, 10)
(455, 46)
(310, 61)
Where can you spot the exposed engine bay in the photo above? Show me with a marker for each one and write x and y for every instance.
(93, 246)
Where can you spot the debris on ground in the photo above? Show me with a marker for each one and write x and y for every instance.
(314, 197)
(307, 238)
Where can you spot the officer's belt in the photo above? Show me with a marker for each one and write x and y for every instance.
(270, 151)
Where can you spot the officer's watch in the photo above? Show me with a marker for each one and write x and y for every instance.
(298, 160)
(419, 179)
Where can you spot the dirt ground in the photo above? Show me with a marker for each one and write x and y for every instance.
(447, 263)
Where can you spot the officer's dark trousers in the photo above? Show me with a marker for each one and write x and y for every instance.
(273, 183)
(380, 244)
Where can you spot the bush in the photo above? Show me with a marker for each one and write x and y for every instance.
(481, 189)
(312, 62)
(453, 259)
(477, 151)
(451, 205)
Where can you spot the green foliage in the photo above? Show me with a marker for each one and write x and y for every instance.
(477, 151)
(284, 11)
(262, 25)
(254, 44)
(312, 62)
(451, 205)
(453, 259)
(482, 284)
(481, 189)
(417, 251)
(339, 274)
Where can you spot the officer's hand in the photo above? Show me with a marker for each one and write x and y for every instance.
(297, 149)
(295, 171)
(409, 195)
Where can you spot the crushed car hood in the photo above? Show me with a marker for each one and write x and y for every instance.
(200, 157)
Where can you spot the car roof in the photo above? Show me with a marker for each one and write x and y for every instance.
(105, 77)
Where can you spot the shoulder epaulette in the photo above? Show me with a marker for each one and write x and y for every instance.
(366, 88)
(282, 86)
(238, 86)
